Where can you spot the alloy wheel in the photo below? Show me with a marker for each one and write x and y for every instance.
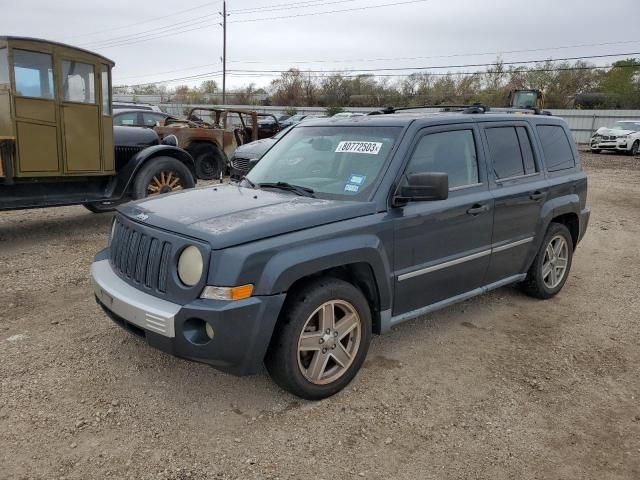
(329, 342)
(556, 260)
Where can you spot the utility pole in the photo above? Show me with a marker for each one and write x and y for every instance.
(224, 52)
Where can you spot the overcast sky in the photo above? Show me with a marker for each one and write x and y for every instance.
(440, 32)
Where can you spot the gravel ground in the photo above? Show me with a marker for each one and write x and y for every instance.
(501, 386)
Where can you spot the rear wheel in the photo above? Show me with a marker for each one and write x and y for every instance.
(321, 339)
(162, 175)
(209, 161)
(550, 269)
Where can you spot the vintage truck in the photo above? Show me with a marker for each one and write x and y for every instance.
(58, 145)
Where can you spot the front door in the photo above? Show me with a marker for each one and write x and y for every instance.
(81, 120)
(36, 113)
(442, 248)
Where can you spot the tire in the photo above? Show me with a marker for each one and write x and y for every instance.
(155, 173)
(634, 148)
(209, 161)
(291, 368)
(595, 150)
(540, 284)
(100, 207)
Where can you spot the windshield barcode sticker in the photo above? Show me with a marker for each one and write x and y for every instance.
(370, 148)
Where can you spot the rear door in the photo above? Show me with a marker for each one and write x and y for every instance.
(519, 188)
(442, 248)
(81, 120)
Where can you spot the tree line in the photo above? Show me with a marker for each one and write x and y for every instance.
(564, 84)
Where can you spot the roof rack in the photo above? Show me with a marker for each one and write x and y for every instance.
(476, 108)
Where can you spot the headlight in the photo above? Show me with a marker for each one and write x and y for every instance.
(190, 266)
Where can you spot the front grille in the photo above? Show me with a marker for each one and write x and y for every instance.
(610, 137)
(139, 257)
(241, 164)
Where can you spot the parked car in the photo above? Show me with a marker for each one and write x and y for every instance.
(268, 127)
(623, 136)
(136, 106)
(140, 118)
(58, 145)
(246, 156)
(295, 119)
(211, 135)
(345, 229)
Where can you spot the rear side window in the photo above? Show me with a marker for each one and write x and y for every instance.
(452, 152)
(78, 82)
(511, 151)
(126, 119)
(556, 147)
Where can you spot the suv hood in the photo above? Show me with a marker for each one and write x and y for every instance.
(229, 215)
(613, 131)
(254, 149)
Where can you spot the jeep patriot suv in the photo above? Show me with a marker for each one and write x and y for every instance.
(345, 228)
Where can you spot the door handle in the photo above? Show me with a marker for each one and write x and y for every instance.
(477, 209)
(537, 195)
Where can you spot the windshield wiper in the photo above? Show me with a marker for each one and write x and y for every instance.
(302, 191)
(251, 184)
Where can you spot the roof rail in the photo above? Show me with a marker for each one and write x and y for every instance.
(475, 108)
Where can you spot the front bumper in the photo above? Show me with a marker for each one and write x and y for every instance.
(242, 329)
(620, 145)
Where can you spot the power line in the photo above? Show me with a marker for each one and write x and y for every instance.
(195, 67)
(286, 6)
(298, 15)
(150, 20)
(316, 75)
(440, 67)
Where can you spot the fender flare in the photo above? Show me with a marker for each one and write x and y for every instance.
(127, 174)
(289, 266)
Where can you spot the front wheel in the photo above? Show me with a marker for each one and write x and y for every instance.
(550, 269)
(162, 175)
(635, 148)
(321, 339)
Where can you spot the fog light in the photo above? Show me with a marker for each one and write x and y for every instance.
(209, 331)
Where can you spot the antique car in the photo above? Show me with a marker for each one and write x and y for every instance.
(58, 145)
(211, 135)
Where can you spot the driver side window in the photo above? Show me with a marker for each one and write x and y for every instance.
(451, 152)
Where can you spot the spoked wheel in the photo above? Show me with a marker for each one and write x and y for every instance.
(321, 339)
(556, 259)
(550, 269)
(165, 182)
(162, 175)
(329, 342)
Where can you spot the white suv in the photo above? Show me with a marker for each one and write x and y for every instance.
(623, 136)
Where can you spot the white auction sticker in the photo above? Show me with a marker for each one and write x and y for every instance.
(370, 148)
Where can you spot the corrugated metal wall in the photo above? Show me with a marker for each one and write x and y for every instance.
(581, 122)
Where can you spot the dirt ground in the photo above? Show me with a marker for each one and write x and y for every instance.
(498, 387)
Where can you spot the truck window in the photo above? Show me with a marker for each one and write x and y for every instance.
(452, 152)
(4, 67)
(106, 90)
(34, 74)
(78, 82)
(557, 149)
(505, 151)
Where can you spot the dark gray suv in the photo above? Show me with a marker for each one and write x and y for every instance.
(342, 230)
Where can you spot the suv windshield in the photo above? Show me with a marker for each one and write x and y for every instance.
(335, 162)
(634, 126)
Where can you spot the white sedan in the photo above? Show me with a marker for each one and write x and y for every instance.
(623, 136)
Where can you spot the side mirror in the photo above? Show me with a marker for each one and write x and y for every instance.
(423, 187)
